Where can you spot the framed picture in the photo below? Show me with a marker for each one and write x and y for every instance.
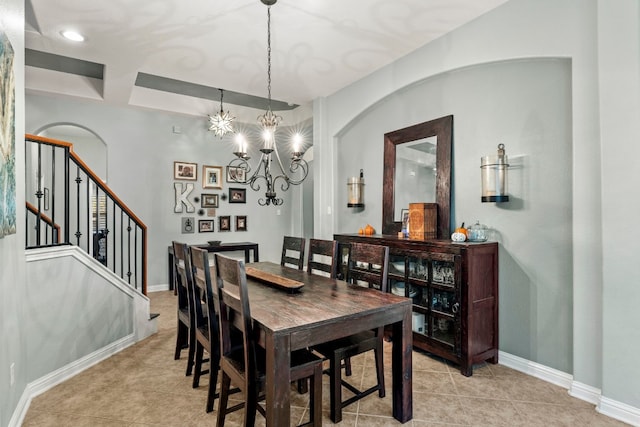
(211, 176)
(209, 200)
(235, 174)
(237, 195)
(225, 223)
(241, 223)
(185, 171)
(404, 214)
(205, 226)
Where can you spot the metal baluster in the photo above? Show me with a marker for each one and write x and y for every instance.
(78, 182)
(52, 193)
(39, 195)
(121, 247)
(88, 214)
(135, 256)
(129, 250)
(67, 197)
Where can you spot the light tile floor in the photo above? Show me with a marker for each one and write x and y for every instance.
(144, 386)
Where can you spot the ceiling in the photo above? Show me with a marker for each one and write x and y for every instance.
(174, 55)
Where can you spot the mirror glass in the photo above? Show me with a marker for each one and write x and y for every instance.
(417, 169)
(415, 173)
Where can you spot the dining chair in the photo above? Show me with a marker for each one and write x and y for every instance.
(206, 321)
(367, 264)
(185, 337)
(322, 257)
(246, 368)
(293, 251)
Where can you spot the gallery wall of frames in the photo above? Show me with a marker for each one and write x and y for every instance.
(201, 197)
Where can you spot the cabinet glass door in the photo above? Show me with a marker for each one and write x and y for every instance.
(443, 302)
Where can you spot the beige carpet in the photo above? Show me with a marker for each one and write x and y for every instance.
(144, 386)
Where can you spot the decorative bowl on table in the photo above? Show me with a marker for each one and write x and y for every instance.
(214, 242)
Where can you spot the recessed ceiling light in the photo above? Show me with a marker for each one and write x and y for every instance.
(72, 35)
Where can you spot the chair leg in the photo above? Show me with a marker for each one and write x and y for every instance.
(315, 396)
(250, 407)
(182, 339)
(198, 364)
(192, 351)
(214, 366)
(347, 367)
(225, 383)
(379, 359)
(335, 385)
(302, 386)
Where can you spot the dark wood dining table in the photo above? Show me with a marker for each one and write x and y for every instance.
(324, 309)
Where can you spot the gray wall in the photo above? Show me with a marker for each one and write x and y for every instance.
(602, 118)
(524, 104)
(73, 312)
(142, 148)
(12, 267)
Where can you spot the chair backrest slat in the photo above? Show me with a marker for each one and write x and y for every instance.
(323, 256)
(368, 263)
(205, 311)
(293, 251)
(184, 277)
(234, 310)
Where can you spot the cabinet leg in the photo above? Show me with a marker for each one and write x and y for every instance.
(467, 371)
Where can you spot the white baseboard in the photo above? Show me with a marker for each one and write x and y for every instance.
(158, 288)
(604, 405)
(585, 392)
(58, 376)
(537, 370)
(619, 411)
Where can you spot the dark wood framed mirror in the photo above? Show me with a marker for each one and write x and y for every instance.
(429, 140)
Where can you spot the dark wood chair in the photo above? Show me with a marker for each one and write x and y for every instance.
(206, 321)
(293, 252)
(367, 264)
(184, 286)
(323, 257)
(246, 367)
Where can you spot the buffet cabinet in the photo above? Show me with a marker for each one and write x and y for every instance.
(454, 288)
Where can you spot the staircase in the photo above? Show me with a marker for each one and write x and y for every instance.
(68, 204)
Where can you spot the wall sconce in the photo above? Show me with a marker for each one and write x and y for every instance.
(355, 186)
(494, 177)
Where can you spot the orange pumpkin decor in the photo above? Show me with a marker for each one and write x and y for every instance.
(369, 230)
(462, 230)
(361, 231)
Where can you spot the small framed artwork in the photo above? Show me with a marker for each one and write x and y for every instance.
(211, 176)
(225, 223)
(235, 174)
(237, 195)
(404, 214)
(185, 171)
(209, 200)
(205, 226)
(241, 223)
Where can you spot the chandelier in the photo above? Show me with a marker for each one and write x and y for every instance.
(222, 122)
(269, 170)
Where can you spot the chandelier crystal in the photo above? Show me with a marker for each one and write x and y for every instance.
(222, 123)
(266, 172)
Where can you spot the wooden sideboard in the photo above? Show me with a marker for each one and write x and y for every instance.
(454, 288)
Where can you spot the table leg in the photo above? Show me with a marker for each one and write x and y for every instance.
(247, 258)
(278, 351)
(401, 368)
(256, 258)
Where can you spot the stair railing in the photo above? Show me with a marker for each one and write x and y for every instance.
(67, 203)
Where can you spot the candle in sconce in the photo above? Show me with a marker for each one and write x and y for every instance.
(296, 142)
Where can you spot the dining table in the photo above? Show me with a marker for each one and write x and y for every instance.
(293, 309)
